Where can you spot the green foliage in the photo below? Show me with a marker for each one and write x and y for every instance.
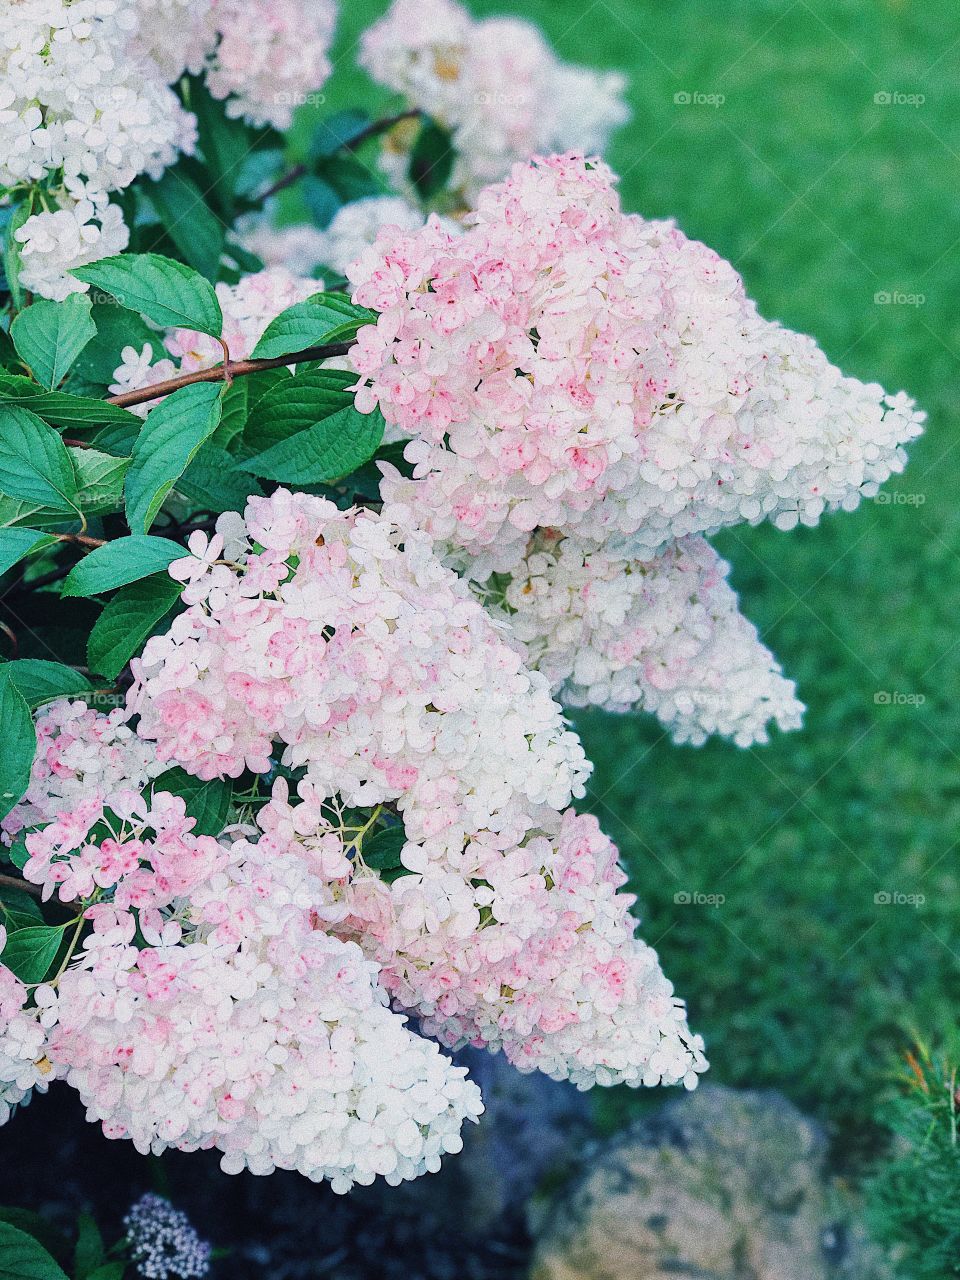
(40, 681)
(170, 439)
(324, 318)
(22, 1257)
(59, 408)
(49, 336)
(431, 160)
(206, 801)
(120, 562)
(326, 451)
(167, 292)
(188, 220)
(34, 463)
(127, 620)
(11, 249)
(19, 742)
(913, 1199)
(30, 952)
(16, 544)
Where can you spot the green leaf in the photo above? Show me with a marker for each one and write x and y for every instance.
(120, 562)
(187, 219)
(167, 292)
(339, 130)
(12, 249)
(24, 1258)
(224, 142)
(326, 317)
(213, 484)
(34, 463)
(322, 200)
(382, 852)
(127, 621)
(89, 1253)
(170, 438)
(100, 478)
(19, 743)
(109, 1271)
(293, 404)
(116, 328)
(40, 681)
(15, 544)
(60, 408)
(20, 911)
(431, 160)
(29, 953)
(32, 1224)
(207, 802)
(329, 449)
(50, 335)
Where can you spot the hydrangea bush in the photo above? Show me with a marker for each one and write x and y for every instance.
(311, 533)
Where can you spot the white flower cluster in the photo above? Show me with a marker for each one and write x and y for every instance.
(496, 84)
(24, 1065)
(663, 635)
(163, 1243)
(258, 1034)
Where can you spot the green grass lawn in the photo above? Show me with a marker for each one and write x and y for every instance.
(822, 198)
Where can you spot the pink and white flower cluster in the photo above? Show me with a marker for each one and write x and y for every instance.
(265, 57)
(495, 84)
(343, 637)
(247, 307)
(565, 365)
(663, 635)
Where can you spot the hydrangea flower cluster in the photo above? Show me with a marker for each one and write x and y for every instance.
(24, 1065)
(662, 635)
(163, 1243)
(343, 636)
(564, 365)
(248, 307)
(495, 83)
(78, 103)
(265, 57)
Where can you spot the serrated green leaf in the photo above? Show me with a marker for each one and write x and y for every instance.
(382, 851)
(30, 952)
(15, 544)
(326, 451)
(19, 743)
(213, 484)
(127, 621)
(293, 404)
(50, 335)
(40, 681)
(89, 1252)
(187, 219)
(431, 160)
(208, 802)
(171, 436)
(120, 562)
(100, 478)
(326, 317)
(169, 293)
(34, 463)
(60, 408)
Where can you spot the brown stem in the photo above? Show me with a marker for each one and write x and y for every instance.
(14, 882)
(220, 373)
(84, 539)
(373, 130)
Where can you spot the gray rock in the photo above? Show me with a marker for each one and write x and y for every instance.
(719, 1185)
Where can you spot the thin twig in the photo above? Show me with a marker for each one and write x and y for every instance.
(220, 373)
(373, 130)
(14, 882)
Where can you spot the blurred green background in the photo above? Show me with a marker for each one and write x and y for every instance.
(823, 197)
